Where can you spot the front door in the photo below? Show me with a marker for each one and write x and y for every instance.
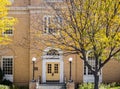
(52, 71)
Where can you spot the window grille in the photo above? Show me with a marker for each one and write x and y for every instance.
(53, 52)
(51, 24)
(7, 66)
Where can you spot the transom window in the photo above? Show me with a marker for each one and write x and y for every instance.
(51, 24)
(53, 52)
(53, 0)
(7, 65)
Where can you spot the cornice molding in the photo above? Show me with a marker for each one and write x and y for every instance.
(29, 9)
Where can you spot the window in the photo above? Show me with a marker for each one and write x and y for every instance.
(53, 52)
(55, 68)
(53, 0)
(7, 65)
(49, 68)
(8, 30)
(51, 24)
(88, 75)
(91, 61)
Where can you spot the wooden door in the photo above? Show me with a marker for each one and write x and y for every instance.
(53, 71)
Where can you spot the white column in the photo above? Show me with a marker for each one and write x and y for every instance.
(61, 72)
(44, 71)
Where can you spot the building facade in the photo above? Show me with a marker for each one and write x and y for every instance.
(51, 65)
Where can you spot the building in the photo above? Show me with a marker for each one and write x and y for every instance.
(16, 61)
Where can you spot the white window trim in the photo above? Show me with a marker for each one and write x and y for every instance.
(7, 76)
(47, 16)
(90, 78)
(12, 27)
(9, 34)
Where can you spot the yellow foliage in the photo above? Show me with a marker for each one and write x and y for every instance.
(89, 24)
(5, 22)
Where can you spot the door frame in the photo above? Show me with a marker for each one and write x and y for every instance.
(46, 58)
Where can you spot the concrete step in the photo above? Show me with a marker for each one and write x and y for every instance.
(50, 86)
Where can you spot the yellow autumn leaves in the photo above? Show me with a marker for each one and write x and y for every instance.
(5, 22)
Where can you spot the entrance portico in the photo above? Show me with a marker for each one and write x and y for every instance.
(52, 66)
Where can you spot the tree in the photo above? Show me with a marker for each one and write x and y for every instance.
(89, 25)
(5, 22)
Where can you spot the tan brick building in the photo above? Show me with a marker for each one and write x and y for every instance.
(16, 61)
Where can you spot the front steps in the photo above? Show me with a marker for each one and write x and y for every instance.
(51, 86)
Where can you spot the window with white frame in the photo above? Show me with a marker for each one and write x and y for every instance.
(51, 24)
(7, 65)
(88, 75)
(8, 30)
(91, 61)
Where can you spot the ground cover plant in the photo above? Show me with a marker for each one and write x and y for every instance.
(101, 86)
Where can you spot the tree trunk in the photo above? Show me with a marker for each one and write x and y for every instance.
(96, 81)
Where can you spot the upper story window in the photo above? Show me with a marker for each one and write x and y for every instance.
(8, 27)
(51, 24)
(8, 30)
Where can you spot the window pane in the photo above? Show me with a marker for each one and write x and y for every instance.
(7, 65)
(51, 24)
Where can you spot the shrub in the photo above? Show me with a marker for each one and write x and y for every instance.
(91, 86)
(103, 86)
(86, 86)
(4, 87)
(7, 82)
(13, 87)
(19, 87)
(1, 76)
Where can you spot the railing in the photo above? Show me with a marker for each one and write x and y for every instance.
(38, 82)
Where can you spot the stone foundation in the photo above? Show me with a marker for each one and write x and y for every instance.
(32, 85)
(70, 85)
